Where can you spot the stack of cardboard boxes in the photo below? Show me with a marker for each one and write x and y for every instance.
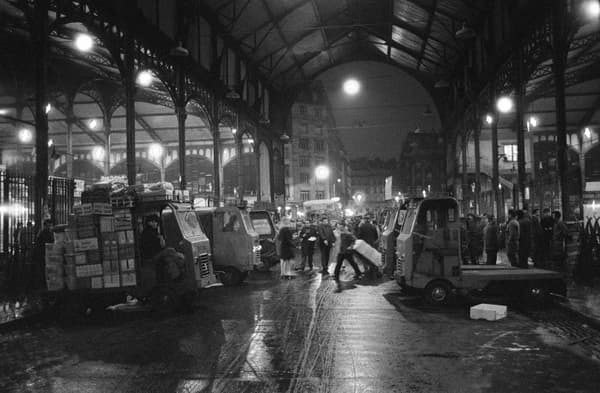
(98, 249)
(54, 266)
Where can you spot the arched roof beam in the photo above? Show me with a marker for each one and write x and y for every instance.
(147, 128)
(275, 21)
(62, 108)
(427, 32)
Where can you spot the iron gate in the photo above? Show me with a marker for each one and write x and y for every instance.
(17, 227)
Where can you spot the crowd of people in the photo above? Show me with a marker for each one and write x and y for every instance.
(334, 240)
(539, 237)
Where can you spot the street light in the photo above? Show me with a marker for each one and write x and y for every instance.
(351, 86)
(145, 78)
(98, 153)
(93, 124)
(504, 104)
(25, 135)
(592, 8)
(155, 151)
(489, 119)
(322, 172)
(587, 133)
(84, 43)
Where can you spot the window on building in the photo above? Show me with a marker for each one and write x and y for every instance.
(319, 145)
(510, 152)
(320, 194)
(304, 195)
(304, 162)
(303, 109)
(304, 143)
(304, 178)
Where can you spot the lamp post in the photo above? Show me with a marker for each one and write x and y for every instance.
(284, 138)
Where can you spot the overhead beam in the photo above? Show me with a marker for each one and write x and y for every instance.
(275, 21)
(84, 127)
(587, 117)
(427, 33)
(147, 128)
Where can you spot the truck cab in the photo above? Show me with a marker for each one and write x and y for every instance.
(181, 231)
(234, 242)
(265, 228)
(390, 230)
(429, 259)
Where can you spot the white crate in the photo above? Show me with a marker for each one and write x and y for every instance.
(490, 312)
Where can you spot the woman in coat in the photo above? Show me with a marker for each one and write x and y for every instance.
(286, 249)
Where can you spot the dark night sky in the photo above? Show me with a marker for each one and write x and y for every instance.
(390, 104)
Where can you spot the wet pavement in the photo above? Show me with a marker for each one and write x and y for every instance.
(300, 335)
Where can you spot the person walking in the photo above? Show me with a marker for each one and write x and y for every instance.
(326, 241)
(537, 240)
(512, 238)
(490, 239)
(286, 253)
(560, 236)
(308, 238)
(524, 238)
(346, 253)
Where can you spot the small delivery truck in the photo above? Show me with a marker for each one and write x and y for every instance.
(429, 260)
(234, 242)
(265, 228)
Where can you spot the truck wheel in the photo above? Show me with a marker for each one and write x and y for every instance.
(231, 276)
(438, 292)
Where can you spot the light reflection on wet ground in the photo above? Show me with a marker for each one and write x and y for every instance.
(298, 336)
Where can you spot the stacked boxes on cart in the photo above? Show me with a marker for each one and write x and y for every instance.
(98, 248)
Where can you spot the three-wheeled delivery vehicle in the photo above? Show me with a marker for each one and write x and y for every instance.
(265, 228)
(389, 233)
(99, 256)
(234, 243)
(429, 256)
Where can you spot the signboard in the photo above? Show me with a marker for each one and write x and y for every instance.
(388, 189)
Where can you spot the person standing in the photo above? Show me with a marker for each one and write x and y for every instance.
(308, 238)
(326, 241)
(346, 253)
(286, 239)
(474, 235)
(560, 236)
(547, 223)
(152, 241)
(537, 240)
(512, 238)
(368, 232)
(491, 240)
(524, 238)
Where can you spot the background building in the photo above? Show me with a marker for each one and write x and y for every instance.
(315, 142)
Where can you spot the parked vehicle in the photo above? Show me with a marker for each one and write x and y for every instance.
(265, 228)
(389, 233)
(429, 259)
(234, 242)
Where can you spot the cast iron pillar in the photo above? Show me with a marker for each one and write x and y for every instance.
(181, 117)
(129, 81)
(107, 134)
(239, 151)
(217, 165)
(70, 120)
(495, 169)
(520, 131)
(476, 137)
(559, 63)
(257, 157)
(464, 179)
(40, 38)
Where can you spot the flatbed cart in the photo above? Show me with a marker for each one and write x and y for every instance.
(167, 282)
(429, 261)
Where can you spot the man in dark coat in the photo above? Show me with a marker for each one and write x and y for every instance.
(326, 241)
(308, 238)
(524, 238)
(152, 241)
(368, 232)
(512, 238)
(491, 240)
(347, 253)
(560, 237)
(537, 240)
(45, 236)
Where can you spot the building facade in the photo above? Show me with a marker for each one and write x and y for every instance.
(315, 142)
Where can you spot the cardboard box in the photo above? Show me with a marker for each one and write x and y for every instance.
(54, 248)
(112, 280)
(71, 283)
(97, 282)
(71, 234)
(55, 282)
(84, 283)
(104, 209)
(93, 256)
(85, 244)
(83, 209)
(88, 270)
(69, 247)
(490, 312)
(80, 258)
(128, 279)
(126, 251)
(107, 224)
(110, 267)
(127, 265)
